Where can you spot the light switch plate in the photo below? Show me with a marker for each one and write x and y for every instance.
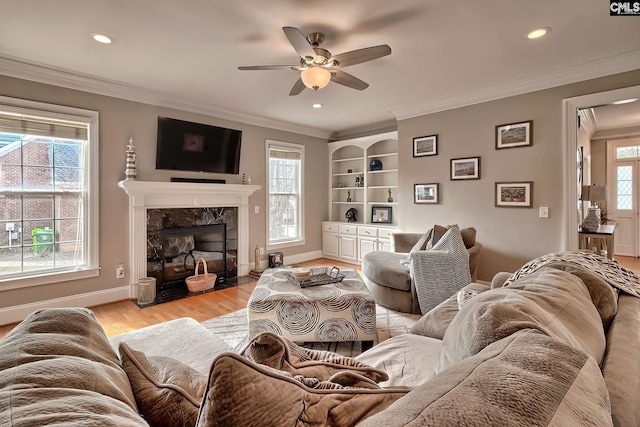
(544, 212)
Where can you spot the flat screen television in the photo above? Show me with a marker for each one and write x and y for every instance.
(187, 146)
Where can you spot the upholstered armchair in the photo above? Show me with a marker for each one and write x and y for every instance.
(416, 281)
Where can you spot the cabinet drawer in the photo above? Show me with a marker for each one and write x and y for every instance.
(330, 226)
(385, 233)
(368, 231)
(348, 229)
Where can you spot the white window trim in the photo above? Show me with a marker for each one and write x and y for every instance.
(91, 242)
(294, 147)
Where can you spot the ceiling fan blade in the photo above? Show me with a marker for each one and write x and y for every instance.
(270, 67)
(348, 80)
(361, 55)
(299, 42)
(297, 88)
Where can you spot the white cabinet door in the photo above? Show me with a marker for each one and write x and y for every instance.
(348, 249)
(330, 245)
(365, 246)
(384, 245)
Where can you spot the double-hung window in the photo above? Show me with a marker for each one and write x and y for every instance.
(285, 225)
(48, 193)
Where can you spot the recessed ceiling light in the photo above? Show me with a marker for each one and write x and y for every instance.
(625, 101)
(316, 105)
(537, 33)
(101, 38)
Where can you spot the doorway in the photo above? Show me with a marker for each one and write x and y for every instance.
(623, 171)
(570, 147)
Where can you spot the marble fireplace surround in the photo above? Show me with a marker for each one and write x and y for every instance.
(145, 195)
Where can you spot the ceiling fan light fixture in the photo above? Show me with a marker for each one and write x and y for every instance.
(315, 77)
(537, 33)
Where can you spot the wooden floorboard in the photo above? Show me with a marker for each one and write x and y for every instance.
(125, 316)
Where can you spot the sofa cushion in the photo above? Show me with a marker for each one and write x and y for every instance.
(526, 379)
(167, 391)
(408, 359)
(435, 323)
(57, 367)
(620, 368)
(183, 339)
(386, 268)
(552, 301)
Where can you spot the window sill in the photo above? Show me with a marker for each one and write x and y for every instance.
(47, 278)
(283, 245)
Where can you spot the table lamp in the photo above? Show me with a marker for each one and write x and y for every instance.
(593, 193)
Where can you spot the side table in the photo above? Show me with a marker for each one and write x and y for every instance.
(603, 233)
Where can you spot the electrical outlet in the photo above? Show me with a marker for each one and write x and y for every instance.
(120, 271)
(256, 209)
(261, 250)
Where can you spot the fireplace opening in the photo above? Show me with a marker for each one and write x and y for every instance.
(173, 258)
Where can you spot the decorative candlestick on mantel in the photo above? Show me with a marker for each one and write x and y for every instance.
(130, 167)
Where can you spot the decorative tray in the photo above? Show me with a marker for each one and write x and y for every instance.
(319, 276)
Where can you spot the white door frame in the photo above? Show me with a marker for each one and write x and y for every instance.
(570, 108)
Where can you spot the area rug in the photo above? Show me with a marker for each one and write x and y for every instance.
(233, 329)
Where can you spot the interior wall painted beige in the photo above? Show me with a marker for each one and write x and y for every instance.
(119, 120)
(511, 236)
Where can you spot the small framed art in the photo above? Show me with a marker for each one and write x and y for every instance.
(425, 146)
(381, 214)
(467, 168)
(514, 194)
(425, 193)
(514, 135)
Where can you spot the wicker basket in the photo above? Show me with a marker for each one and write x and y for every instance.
(201, 282)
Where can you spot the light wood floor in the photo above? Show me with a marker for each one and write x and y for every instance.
(125, 316)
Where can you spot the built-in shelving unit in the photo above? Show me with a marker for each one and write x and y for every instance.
(354, 185)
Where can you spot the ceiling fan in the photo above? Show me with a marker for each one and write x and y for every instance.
(318, 66)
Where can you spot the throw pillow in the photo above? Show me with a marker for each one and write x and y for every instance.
(279, 353)
(441, 271)
(424, 243)
(168, 392)
(243, 393)
(435, 323)
(468, 234)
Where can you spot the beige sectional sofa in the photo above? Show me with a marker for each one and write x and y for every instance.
(558, 346)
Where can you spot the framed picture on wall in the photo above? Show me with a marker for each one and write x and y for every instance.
(467, 168)
(425, 146)
(514, 194)
(514, 135)
(425, 193)
(381, 214)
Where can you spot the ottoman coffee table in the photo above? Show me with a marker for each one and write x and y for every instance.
(342, 311)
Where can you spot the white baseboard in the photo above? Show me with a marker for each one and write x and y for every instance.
(17, 313)
(294, 259)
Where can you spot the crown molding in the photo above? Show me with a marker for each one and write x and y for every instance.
(25, 70)
(373, 128)
(587, 121)
(622, 133)
(586, 71)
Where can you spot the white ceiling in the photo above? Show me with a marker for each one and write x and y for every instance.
(186, 53)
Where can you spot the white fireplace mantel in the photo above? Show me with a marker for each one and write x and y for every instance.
(145, 195)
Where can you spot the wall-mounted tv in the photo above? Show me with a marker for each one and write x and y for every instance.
(187, 146)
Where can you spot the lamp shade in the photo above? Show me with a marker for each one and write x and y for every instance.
(595, 193)
(315, 77)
